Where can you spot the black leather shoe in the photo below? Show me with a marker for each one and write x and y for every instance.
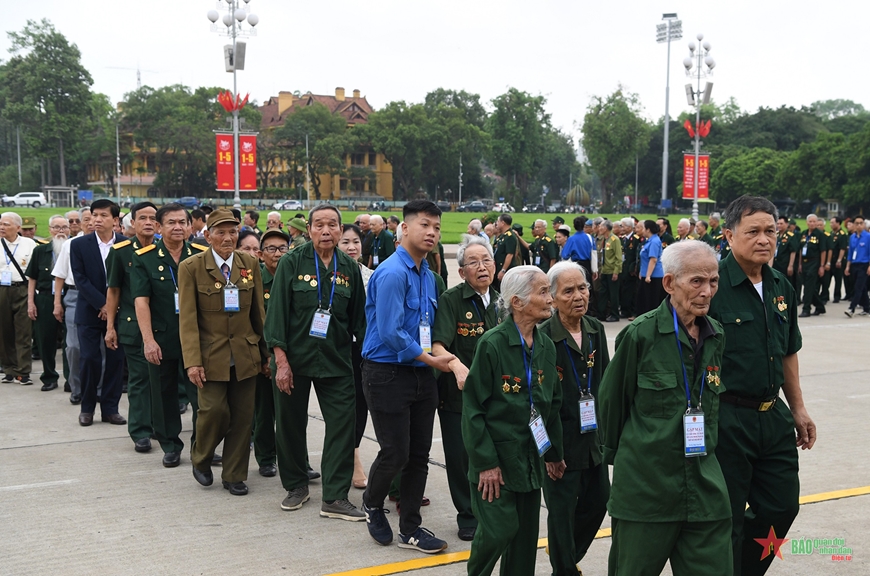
(804, 315)
(116, 419)
(466, 534)
(236, 488)
(86, 419)
(75, 399)
(142, 445)
(182, 408)
(217, 460)
(66, 388)
(205, 478)
(172, 459)
(818, 312)
(49, 387)
(612, 319)
(268, 470)
(312, 475)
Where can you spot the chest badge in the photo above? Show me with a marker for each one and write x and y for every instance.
(713, 376)
(468, 315)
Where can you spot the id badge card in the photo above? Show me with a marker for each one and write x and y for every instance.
(588, 421)
(776, 251)
(693, 433)
(804, 250)
(177, 309)
(539, 433)
(375, 259)
(231, 298)
(426, 337)
(320, 324)
(538, 260)
(6, 278)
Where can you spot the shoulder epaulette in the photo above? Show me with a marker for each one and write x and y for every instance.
(636, 236)
(199, 247)
(146, 249)
(42, 241)
(791, 233)
(508, 233)
(827, 233)
(548, 238)
(119, 245)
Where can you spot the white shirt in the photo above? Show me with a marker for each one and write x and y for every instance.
(22, 250)
(105, 246)
(485, 298)
(61, 266)
(220, 261)
(758, 289)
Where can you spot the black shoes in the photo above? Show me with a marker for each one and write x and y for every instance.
(819, 312)
(182, 408)
(466, 534)
(312, 475)
(49, 387)
(804, 314)
(268, 470)
(142, 445)
(611, 318)
(236, 488)
(217, 460)
(75, 399)
(116, 419)
(66, 387)
(173, 459)
(205, 478)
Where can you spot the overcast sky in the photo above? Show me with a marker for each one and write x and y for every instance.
(768, 53)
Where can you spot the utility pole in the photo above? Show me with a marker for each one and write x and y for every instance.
(118, 163)
(307, 174)
(672, 29)
(460, 178)
(18, 138)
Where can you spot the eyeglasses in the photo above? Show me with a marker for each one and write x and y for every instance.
(273, 249)
(58, 227)
(479, 263)
(74, 221)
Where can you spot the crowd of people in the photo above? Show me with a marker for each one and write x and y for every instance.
(205, 309)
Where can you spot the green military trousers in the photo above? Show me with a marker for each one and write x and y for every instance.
(608, 296)
(810, 281)
(759, 460)
(264, 421)
(45, 332)
(576, 506)
(138, 392)
(166, 380)
(456, 460)
(337, 399)
(508, 529)
(643, 548)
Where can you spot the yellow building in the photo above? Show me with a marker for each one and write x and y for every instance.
(137, 174)
(355, 110)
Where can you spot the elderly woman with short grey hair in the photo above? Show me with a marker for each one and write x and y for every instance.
(511, 426)
(576, 503)
(659, 407)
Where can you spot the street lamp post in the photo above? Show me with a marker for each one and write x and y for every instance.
(234, 56)
(699, 64)
(672, 29)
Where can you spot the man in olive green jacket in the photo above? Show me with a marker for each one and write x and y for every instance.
(611, 267)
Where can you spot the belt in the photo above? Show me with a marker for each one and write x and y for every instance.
(68, 287)
(760, 406)
(816, 259)
(14, 285)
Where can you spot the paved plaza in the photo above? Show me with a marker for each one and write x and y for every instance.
(77, 500)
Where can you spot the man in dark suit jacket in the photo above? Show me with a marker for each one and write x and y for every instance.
(88, 263)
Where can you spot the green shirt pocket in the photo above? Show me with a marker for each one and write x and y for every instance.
(657, 395)
(739, 327)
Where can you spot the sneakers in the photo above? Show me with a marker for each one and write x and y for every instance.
(8, 379)
(379, 528)
(422, 540)
(342, 509)
(863, 313)
(25, 380)
(295, 498)
(849, 312)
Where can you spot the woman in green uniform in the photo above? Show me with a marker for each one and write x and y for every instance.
(576, 503)
(659, 408)
(511, 426)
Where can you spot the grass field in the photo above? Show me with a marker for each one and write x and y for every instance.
(453, 224)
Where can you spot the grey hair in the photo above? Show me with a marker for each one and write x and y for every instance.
(682, 220)
(476, 225)
(376, 218)
(67, 215)
(674, 261)
(716, 216)
(560, 268)
(822, 220)
(55, 217)
(127, 221)
(628, 222)
(517, 282)
(469, 240)
(607, 224)
(540, 222)
(324, 206)
(812, 216)
(273, 213)
(598, 221)
(14, 217)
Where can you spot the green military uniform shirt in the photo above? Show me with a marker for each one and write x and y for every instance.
(667, 240)
(630, 249)
(759, 331)
(505, 244)
(813, 244)
(119, 269)
(268, 279)
(297, 241)
(581, 450)
(495, 408)
(155, 276)
(642, 401)
(716, 232)
(840, 241)
(293, 301)
(543, 251)
(383, 246)
(461, 320)
(612, 259)
(786, 244)
(709, 241)
(40, 266)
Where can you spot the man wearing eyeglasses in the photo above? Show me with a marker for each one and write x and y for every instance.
(15, 327)
(40, 299)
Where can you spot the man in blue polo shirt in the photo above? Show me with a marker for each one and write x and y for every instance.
(397, 377)
(859, 258)
(578, 247)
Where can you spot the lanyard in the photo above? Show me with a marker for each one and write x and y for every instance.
(685, 376)
(172, 272)
(424, 297)
(574, 368)
(527, 363)
(6, 254)
(334, 278)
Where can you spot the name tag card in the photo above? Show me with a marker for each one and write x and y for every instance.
(375, 260)
(588, 421)
(176, 302)
(538, 260)
(231, 299)
(693, 432)
(539, 433)
(804, 250)
(6, 278)
(426, 338)
(320, 324)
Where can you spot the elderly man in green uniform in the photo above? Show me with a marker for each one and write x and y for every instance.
(715, 224)
(297, 229)
(383, 244)
(505, 248)
(785, 255)
(316, 308)
(577, 503)
(609, 271)
(840, 242)
(511, 427)
(220, 296)
(120, 306)
(701, 230)
(814, 253)
(757, 440)
(465, 313)
(631, 242)
(659, 407)
(40, 299)
(154, 290)
(545, 252)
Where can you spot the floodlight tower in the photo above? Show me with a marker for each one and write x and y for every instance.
(672, 29)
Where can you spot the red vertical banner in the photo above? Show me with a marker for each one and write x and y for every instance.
(704, 176)
(225, 169)
(248, 162)
(689, 176)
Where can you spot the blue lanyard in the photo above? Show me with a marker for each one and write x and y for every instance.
(685, 376)
(424, 296)
(172, 272)
(574, 368)
(334, 278)
(527, 362)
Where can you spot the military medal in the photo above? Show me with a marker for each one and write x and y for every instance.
(468, 315)
(516, 386)
(540, 377)
(712, 376)
(590, 362)
(506, 387)
(559, 373)
(313, 283)
(307, 277)
(266, 295)
(780, 303)
(300, 277)
(217, 285)
(160, 268)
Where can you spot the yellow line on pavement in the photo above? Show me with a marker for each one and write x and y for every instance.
(456, 557)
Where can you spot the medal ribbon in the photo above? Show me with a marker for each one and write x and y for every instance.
(334, 278)
(527, 363)
(685, 376)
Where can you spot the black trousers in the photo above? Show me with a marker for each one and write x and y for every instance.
(362, 409)
(649, 296)
(402, 402)
(91, 341)
(858, 271)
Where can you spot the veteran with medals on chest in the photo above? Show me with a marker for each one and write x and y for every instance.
(316, 308)
(511, 426)
(221, 327)
(659, 408)
(465, 313)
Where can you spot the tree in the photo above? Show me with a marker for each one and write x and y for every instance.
(402, 133)
(559, 162)
(469, 104)
(752, 172)
(830, 109)
(856, 157)
(782, 129)
(453, 137)
(614, 135)
(518, 126)
(816, 170)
